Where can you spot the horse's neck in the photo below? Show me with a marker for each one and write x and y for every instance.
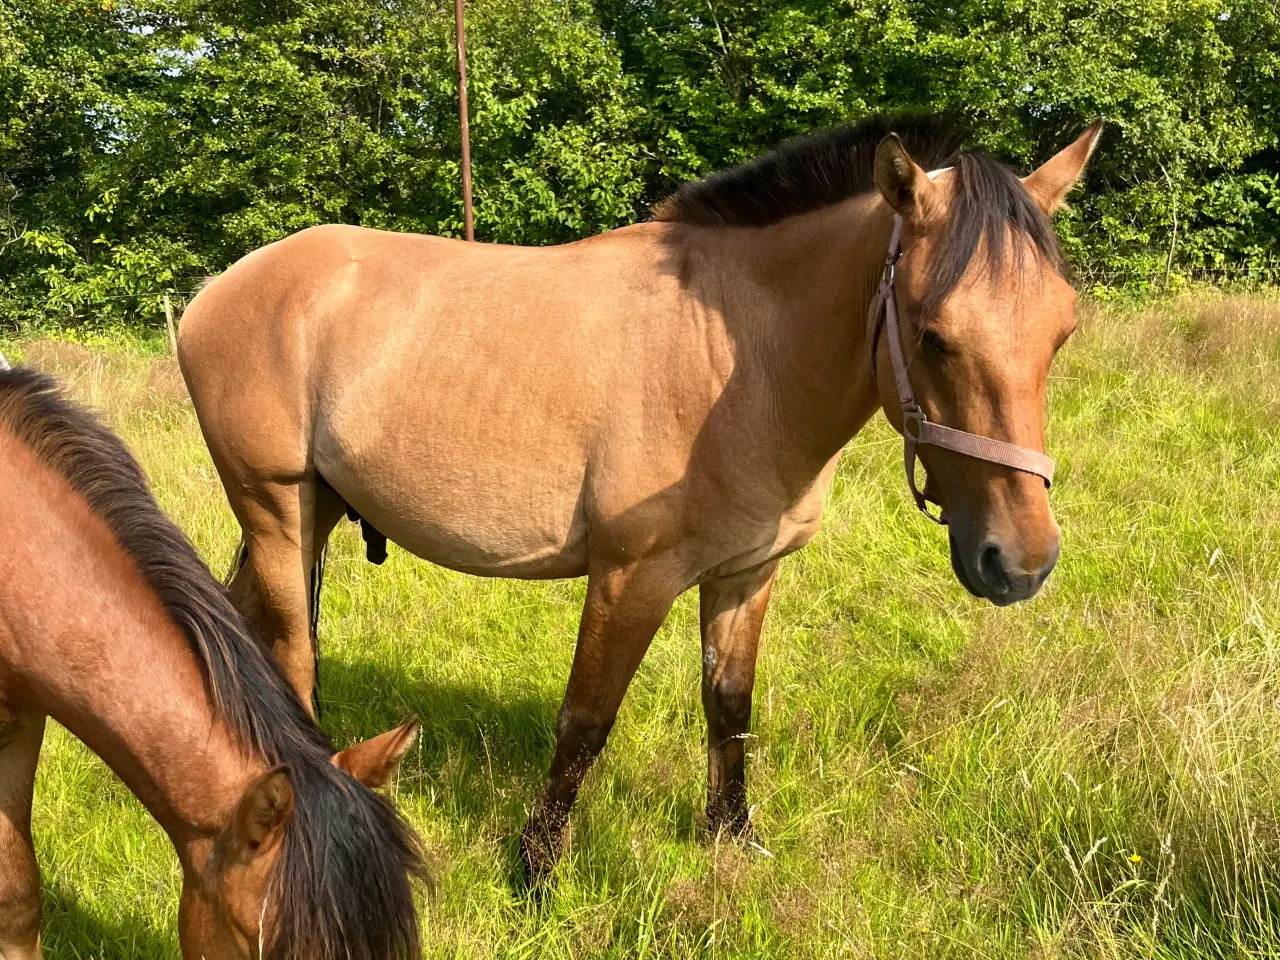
(90, 645)
(143, 709)
(811, 279)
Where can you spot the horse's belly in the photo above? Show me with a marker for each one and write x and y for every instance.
(499, 517)
(491, 549)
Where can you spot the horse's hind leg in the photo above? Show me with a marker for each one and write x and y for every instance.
(284, 526)
(329, 509)
(732, 611)
(20, 741)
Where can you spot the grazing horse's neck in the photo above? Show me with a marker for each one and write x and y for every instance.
(91, 646)
(801, 295)
(143, 709)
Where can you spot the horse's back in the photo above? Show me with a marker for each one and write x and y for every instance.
(456, 394)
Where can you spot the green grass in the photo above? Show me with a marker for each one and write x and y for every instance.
(1093, 774)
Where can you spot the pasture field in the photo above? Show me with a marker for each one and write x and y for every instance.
(1095, 773)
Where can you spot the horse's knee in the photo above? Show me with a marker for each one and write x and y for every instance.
(19, 905)
(728, 702)
(272, 592)
(735, 708)
(581, 735)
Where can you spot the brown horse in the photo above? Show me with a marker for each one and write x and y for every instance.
(110, 624)
(657, 407)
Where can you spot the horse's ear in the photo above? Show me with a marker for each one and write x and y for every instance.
(901, 181)
(263, 813)
(374, 761)
(1050, 184)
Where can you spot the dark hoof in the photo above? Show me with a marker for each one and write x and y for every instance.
(540, 848)
(734, 825)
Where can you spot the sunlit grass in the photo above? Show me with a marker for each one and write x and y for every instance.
(1093, 774)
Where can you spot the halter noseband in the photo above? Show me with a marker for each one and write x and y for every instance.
(917, 429)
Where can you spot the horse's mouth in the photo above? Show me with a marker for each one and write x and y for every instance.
(958, 568)
(982, 592)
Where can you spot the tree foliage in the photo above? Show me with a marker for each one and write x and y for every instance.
(146, 144)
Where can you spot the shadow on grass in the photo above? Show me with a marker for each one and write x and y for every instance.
(482, 759)
(461, 722)
(71, 931)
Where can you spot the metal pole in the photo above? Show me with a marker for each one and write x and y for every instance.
(463, 122)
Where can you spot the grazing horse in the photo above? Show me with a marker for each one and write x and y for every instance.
(111, 624)
(658, 407)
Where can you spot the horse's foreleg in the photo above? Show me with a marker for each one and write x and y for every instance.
(20, 741)
(623, 611)
(732, 611)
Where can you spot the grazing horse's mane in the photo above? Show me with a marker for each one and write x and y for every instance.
(341, 889)
(824, 168)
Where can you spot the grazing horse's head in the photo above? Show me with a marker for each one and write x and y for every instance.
(248, 887)
(983, 307)
(305, 861)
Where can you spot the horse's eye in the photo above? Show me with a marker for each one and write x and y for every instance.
(934, 343)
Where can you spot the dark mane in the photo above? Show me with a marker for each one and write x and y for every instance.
(990, 207)
(341, 888)
(807, 172)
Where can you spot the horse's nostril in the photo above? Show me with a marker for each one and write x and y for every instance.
(991, 568)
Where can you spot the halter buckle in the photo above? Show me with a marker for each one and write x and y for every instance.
(912, 414)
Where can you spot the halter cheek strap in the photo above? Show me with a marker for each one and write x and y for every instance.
(917, 429)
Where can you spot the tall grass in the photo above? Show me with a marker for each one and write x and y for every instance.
(1092, 774)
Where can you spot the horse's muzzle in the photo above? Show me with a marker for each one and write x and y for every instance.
(993, 571)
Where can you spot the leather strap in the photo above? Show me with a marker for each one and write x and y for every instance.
(917, 429)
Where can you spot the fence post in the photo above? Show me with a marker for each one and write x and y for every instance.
(168, 324)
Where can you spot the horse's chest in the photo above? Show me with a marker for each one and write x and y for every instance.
(756, 541)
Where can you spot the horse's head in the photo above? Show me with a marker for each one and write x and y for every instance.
(983, 307)
(232, 902)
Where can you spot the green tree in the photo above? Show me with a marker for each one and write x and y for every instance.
(1187, 85)
(145, 144)
(180, 135)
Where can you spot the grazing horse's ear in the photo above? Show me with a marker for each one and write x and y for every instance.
(902, 183)
(374, 761)
(1050, 184)
(263, 813)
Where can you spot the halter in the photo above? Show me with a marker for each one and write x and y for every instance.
(917, 429)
